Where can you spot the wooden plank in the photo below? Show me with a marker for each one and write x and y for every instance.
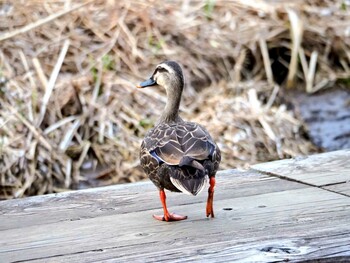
(121, 199)
(259, 218)
(319, 170)
(343, 188)
(286, 225)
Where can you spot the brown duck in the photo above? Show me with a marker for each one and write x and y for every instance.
(177, 155)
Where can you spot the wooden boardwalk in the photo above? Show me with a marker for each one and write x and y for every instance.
(292, 210)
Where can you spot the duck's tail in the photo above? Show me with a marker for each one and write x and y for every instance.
(191, 178)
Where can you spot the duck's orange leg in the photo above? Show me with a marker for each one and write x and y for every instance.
(210, 210)
(167, 216)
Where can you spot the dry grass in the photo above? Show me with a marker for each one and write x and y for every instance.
(69, 112)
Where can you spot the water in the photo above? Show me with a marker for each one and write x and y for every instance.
(327, 117)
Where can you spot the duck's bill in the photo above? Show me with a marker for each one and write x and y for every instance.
(147, 83)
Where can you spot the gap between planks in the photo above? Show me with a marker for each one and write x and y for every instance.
(322, 187)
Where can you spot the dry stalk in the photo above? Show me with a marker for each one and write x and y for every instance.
(70, 115)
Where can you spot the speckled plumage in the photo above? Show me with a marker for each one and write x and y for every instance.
(172, 141)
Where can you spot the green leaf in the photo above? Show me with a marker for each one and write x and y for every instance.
(209, 8)
(146, 123)
(343, 6)
(108, 62)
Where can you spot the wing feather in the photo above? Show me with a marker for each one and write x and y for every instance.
(171, 142)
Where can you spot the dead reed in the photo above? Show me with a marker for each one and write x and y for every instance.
(70, 116)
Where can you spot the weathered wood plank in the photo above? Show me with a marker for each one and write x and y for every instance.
(281, 221)
(343, 188)
(121, 199)
(259, 218)
(319, 170)
(317, 247)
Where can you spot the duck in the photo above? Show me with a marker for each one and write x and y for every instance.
(178, 155)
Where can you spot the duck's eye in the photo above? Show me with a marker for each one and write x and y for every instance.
(161, 69)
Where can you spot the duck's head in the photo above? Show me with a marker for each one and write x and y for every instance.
(167, 74)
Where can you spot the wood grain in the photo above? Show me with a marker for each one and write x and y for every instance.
(342, 188)
(259, 218)
(121, 199)
(319, 170)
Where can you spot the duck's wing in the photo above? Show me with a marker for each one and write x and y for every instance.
(162, 144)
(178, 148)
(189, 151)
(177, 144)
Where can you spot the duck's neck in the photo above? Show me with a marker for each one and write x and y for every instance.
(171, 110)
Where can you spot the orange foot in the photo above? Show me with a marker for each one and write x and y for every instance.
(169, 217)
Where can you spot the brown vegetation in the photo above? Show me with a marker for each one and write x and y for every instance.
(69, 110)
